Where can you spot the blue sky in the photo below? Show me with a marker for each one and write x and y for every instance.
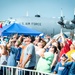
(46, 8)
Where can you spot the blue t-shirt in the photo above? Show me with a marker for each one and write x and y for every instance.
(18, 54)
(71, 66)
(30, 49)
(12, 57)
(59, 68)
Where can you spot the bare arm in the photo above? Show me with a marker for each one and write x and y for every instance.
(54, 60)
(63, 39)
(28, 58)
(50, 42)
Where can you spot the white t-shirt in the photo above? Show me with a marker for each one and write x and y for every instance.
(3, 60)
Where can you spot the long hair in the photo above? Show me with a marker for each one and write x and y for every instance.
(55, 49)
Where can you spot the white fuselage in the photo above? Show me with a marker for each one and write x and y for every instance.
(45, 25)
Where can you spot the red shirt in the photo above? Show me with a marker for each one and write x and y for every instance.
(64, 50)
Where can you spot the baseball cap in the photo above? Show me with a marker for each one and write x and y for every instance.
(64, 55)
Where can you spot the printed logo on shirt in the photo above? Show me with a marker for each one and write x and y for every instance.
(60, 68)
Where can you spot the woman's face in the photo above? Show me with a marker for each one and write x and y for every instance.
(40, 44)
(63, 58)
(51, 49)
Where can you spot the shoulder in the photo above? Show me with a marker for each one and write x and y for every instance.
(49, 54)
(58, 64)
(31, 44)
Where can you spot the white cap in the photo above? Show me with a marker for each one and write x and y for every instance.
(73, 55)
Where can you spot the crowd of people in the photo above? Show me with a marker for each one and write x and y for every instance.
(48, 55)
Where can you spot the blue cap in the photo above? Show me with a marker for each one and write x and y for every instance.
(64, 55)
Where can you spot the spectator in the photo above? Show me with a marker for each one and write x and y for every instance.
(71, 65)
(4, 55)
(56, 56)
(12, 55)
(60, 65)
(45, 60)
(37, 40)
(72, 50)
(66, 45)
(29, 60)
(3, 59)
(39, 50)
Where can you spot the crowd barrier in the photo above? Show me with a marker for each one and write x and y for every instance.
(9, 70)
